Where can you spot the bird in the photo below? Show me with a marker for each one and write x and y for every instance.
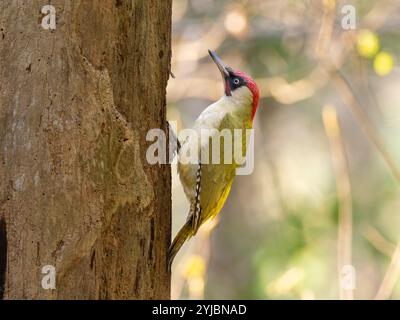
(207, 184)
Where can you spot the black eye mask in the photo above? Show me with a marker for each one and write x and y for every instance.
(236, 82)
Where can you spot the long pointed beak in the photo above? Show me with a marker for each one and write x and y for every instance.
(224, 71)
(220, 64)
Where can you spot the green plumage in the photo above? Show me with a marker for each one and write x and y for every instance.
(216, 179)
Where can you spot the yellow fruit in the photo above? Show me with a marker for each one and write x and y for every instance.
(383, 63)
(367, 43)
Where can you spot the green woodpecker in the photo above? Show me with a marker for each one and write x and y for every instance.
(207, 185)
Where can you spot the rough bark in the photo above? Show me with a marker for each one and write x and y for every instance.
(76, 191)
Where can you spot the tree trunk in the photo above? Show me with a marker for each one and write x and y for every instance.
(76, 191)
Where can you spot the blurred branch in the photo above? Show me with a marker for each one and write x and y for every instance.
(343, 186)
(378, 241)
(391, 276)
(277, 87)
(333, 66)
(332, 50)
(326, 29)
(378, 15)
(349, 97)
(351, 100)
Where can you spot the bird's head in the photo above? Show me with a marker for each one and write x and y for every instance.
(237, 84)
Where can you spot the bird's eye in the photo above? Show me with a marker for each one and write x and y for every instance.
(236, 81)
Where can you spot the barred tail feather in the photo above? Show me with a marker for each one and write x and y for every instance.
(185, 233)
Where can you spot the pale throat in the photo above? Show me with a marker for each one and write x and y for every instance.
(240, 102)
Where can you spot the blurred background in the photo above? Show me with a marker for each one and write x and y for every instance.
(320, 215)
